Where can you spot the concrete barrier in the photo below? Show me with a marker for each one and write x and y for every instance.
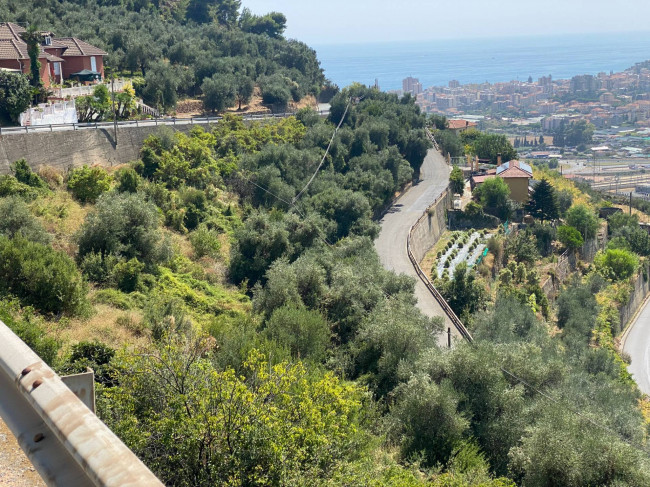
(422, 236)
(637, 297)
(427, 231)
(74, 148)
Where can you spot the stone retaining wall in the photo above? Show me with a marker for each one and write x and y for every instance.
(638, 295)
(427, 232)
(73, 148)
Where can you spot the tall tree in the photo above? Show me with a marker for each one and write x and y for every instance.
(543, 202)
(33, 39)
(15, 94)
(584, 220)
(244, 89)
(224, 12)
(457, 181)
(218, 92)
(489, 146)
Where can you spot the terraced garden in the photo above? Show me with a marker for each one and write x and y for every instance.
(468, 246)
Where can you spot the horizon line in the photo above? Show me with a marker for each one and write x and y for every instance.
(476, 38)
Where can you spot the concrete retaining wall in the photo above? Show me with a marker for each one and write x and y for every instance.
(638, 295)
(428, 231)
(73, 148)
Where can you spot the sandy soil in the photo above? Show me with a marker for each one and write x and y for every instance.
(15, 468)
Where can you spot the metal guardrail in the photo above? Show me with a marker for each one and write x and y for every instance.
(67, 444)
(138, 123)
(464, 332)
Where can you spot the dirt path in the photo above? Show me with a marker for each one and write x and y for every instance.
(15, 468)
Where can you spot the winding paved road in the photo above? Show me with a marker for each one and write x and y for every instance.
(395, 226)
(637, 345)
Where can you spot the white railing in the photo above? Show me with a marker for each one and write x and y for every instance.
(85, 90)
(50, 114)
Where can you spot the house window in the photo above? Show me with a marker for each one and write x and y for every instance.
(48, 41)
(93, 63)
(57, 69)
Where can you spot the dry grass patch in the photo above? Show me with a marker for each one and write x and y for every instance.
(62, 216)
(108, 324)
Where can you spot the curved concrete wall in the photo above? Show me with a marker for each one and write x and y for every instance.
(428, 230)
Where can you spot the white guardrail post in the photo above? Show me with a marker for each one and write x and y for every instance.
(67, 444)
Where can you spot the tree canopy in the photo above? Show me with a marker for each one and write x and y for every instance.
(543, 201)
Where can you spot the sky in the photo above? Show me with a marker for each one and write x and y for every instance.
(358, 21)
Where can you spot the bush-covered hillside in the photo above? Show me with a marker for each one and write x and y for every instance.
(177, 45)
(244, 332)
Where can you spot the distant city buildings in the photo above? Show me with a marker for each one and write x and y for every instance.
(412, 86)
(604, 100)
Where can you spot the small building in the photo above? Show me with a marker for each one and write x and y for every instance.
(459, 126)
(60, 58)
(516, 174)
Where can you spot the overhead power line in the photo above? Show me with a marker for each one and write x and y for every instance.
(295, 198)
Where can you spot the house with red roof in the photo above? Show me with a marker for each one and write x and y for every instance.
(61, 58)
(516, 174)
(459, 126)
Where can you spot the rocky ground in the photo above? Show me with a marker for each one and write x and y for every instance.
(15, 468)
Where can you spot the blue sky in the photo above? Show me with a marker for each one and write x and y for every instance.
(351, 21)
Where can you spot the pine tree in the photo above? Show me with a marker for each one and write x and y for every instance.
(543, 202)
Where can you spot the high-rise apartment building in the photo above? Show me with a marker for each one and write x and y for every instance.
(412, 85)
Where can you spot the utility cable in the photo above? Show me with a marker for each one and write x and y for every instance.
(295, 199)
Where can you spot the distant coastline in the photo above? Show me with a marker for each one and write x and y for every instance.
(436, 63)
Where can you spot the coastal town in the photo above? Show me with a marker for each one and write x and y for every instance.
(603, 100)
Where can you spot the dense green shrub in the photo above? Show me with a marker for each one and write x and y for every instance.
(31, 331)
(126, 275)
(41, 276)
(17, 220)
(124, 225)
(616, 264)
(25, 175)
(128, 180)
(118, 299)
(95, 355)
(583, 219)
(570, 237)
(87, 183)
(304, 332)
(10, 186)
(205, 242)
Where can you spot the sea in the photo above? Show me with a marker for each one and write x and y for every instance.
(436, 62)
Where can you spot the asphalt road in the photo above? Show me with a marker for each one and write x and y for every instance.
(391, 244)
(637, 345)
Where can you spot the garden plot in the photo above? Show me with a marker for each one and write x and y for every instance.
(463, 247)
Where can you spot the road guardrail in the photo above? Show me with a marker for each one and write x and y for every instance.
(67, 444)
(464, 332)
(138, 123)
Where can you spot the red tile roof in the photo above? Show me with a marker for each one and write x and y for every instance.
(9, 30)
(77, 47)
(481, 179)
(12, 49)
(460, 124)
(16, 49)
(514, 172)
(513, 169)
